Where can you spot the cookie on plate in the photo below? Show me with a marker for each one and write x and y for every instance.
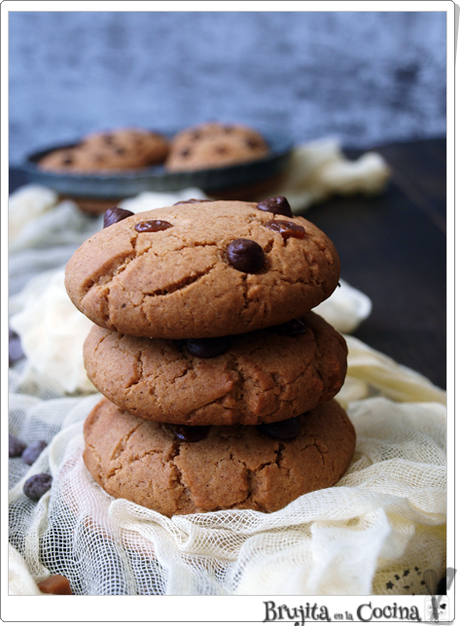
(87, 160)
(202, 269)
(263, 376)
(213, 145)
(181, 470)
(148, 147)
(64, 160)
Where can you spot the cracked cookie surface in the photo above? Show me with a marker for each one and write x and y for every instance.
(179, 282)
(233, 467)
(263, 376)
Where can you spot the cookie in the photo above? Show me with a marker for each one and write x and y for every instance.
(202, 269)
(148, 146)
(213, 145)
(64, 160)
(263, 376)
(86, 160)
(203, 469)
(117, 150)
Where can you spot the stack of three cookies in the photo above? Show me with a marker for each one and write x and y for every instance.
(218, 379)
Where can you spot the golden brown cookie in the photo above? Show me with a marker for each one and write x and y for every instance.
(176, 470)
(263, 376)
(110, 151)
(202, 269)
(214, 144)
(148, 147)
(87, 160)
(64, 160)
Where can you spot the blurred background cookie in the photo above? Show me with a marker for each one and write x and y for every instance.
(106, 151)
(215, 144)
(150, 147)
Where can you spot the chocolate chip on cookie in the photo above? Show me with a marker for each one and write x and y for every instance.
(115, 214)
(277, 205)
(189, 433)
(287, 429)
(286, 229)
(152, 226)
(246, 255)
(208, 347)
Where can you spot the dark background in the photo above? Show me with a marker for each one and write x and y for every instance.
(365, 77)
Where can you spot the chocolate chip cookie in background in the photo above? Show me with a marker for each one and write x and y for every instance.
(116, 150)
(214, 144)
(262, 376)
(223, 467)
(203, 269)
(151, 147)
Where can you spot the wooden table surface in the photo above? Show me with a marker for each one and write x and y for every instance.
(393, 248)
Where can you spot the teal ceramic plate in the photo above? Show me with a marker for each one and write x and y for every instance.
(124, 185)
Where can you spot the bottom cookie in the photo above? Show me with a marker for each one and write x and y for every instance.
(201, 469)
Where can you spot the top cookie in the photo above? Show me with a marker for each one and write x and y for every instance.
(203, 269)
(214, 144)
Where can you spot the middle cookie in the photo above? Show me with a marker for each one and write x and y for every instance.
(259, 377)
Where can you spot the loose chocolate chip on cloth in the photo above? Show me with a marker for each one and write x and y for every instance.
(179, 282)
(263, 376)
(15, 446)
(57, 585)
(232, 467)
(37, 485)
(31, 453)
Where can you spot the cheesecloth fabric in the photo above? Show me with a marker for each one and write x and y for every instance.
(375, 532)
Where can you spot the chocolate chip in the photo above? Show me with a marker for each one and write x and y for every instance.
(15, 347)
(185, 152)
(286, 229)
(32, 452)
(251, 143)
(246, 255)
(37, 485)
(120, 150)
(15, 446)
(293, 328)
(190, 433)
(57, 585)
(221, 150)
(208, 347)
(67, 161)
(108, 139)
(277, 205)
(152, 226)
(191, 201)
(287, 429)
(114, 215)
